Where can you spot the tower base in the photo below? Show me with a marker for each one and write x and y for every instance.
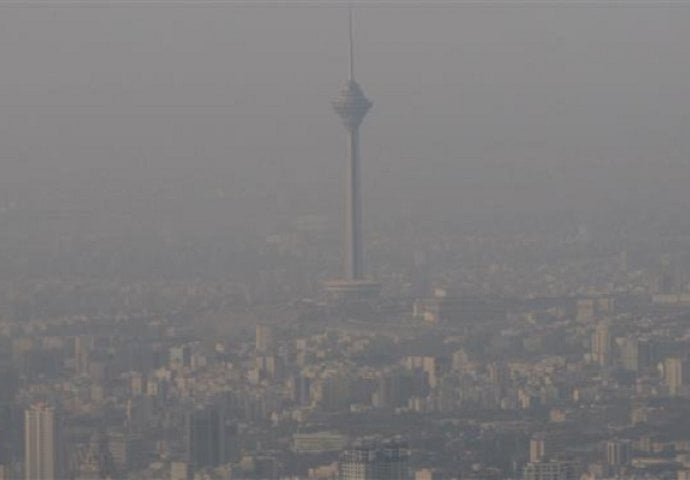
(352, 292)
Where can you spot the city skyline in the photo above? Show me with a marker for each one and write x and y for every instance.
(177, 194)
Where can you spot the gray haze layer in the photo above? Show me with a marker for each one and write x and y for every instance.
(189, 119)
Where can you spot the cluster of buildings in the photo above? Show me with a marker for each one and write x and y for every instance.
(574, 387)
(464, 366)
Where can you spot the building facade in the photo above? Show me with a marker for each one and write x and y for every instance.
(41, 443)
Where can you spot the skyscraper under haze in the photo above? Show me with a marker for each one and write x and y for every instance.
(41, 444)
(206, 437)
(264, 339)
(352, 106)
(601, 345)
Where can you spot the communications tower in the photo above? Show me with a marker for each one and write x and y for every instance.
(352, 105)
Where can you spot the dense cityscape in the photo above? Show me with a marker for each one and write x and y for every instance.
(518, 346)
(459, 371)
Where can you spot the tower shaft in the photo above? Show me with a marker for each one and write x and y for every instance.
(353, 219)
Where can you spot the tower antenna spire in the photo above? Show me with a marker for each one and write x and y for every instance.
(352, 48)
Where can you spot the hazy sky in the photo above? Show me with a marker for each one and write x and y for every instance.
(480, 108)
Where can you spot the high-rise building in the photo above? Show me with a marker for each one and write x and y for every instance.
(375, 462)
(646, 353)
(206, 437)
(636, 354)
(618, 455)
(42, 457)
(301, 390)
(352, 106)
(180, 356)
(264, 339)
(126, 450)
(9, 425)
(267, 366)
(676, 375)
(601, 345)
(426, 364)
(82, 348)
(396, 388)
(629, 353)
(537, 448)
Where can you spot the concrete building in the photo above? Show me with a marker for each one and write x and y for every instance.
(537, 448)
(206, 438)
(375, 463)
(445, 306)
(127, 450)
(618, 456)
(676, 375)
(636, 354)
(552, 470)
(42, 459)
(301, 390)
(82, 349)
(601, 345)
(179, 471)
(318, 442)
(264, 339)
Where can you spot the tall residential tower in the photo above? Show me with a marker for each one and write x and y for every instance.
(42, 457)
(352, 106)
